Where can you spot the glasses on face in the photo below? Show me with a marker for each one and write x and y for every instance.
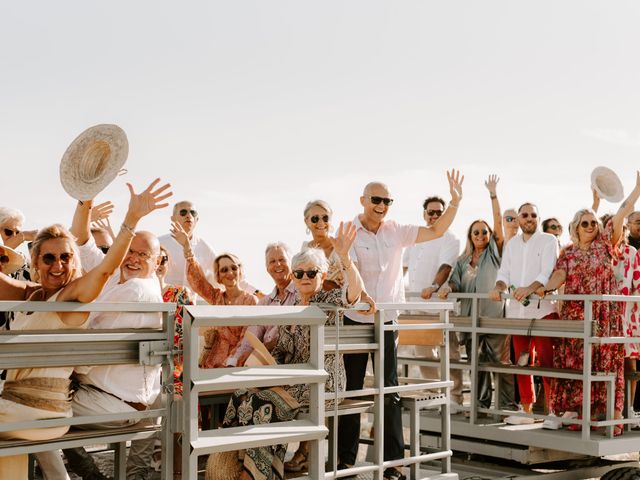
(184, 212)
(484, 231)
(587, 224)
(10, 233)
(104, 249)
(377, 200)
(555, 227)
(225, 269)
(437, 213)
(4, 259)
(141, 255)
(527, 215)
(164, 259)
(510, 218)
(301, 273)
(317, 218)
(51, 258)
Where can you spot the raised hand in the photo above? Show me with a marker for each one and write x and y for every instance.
(491, 183)
(179, 235)
(102, 211)
(105, 224)
(455, 186)
(148, 200)
(344, 239)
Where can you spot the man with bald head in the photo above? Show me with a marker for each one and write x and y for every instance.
(377, 252)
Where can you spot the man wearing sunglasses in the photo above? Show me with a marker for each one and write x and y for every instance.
(527, 263)
(428, 265)
(633, 224)
(377, 252)
(186, 215)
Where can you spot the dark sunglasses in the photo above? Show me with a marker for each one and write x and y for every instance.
(555, 227)
(585, 224)
(300, 273)
(164, 259)
(10, 233)
(437, 213)
(478, 232)
(104, 249)
(378, 200)
(50, 258)
(317, 218)
(184, 211)
(226, 269)
(4, 259)
(509, 218)
(526, 215)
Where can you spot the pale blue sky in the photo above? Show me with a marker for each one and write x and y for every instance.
(252, 108)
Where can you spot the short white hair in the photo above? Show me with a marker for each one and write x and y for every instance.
(314, 256)
(282, 246)
(7, 213)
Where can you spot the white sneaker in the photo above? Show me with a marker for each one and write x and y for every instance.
(552, 423)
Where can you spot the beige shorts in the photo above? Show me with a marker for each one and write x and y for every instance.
(15, 412)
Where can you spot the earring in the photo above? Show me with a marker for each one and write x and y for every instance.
(308, 231)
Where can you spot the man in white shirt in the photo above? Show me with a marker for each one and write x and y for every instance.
(428, 265)
(377, 252)
(186, 214)
(528, 260)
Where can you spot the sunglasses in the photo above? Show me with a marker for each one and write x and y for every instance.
(555, 227)
(509, 218)
(184, 212)
(586, 224)
(300, 273)
(527, 215)
(378, 200)
(484, 231)
(104, 249)
(164, 259)
(437, 213)
(226, 269)
(50, 258)
(317, 218)
(10, 233)
(4, 259)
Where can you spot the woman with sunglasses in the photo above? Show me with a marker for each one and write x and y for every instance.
(310, 270)
(586, 267)
(510, 224)
(44, 393)
(475, 272)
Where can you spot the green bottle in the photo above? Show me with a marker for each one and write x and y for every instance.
(524, 302)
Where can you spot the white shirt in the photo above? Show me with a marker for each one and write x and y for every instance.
(524, 263)
(132, 383)
(177, 268)
(424, 259)
(378, 257)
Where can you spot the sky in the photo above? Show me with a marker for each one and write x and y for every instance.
(252, 108)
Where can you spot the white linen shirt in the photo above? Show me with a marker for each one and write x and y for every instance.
(132, 383)
(378, 257)
(424, 259)
(524, 263)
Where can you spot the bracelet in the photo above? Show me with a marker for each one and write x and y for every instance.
(451, 205)
(128, 229)
(188, 255)
(493, 197)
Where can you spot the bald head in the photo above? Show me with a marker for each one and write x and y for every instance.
(376, 189)
(142, 259)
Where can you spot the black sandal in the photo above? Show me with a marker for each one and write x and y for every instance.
(394, 474)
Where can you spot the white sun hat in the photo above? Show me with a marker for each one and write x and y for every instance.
(93, 160)
(14, 261)
(607, 184)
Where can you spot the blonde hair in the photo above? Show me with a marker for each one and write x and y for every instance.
(573, 225)
(470, 247)
(233, 258)
(317, 203)
(55, 232)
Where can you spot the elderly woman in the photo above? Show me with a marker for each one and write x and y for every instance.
(220, 342)
(586, 267)
(293, 346)
(44, 393)
(510, 224)
(11, 231)
(475, 272)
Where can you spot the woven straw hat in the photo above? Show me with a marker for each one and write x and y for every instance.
(93, 160)
(607, 184)
(223, 466)
(15, 263)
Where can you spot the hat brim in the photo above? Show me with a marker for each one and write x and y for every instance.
(16, 261)
(607, 184)
(93, 161)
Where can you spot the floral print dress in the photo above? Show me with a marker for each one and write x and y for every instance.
(182, 296)
(626, 268)
(589, 272)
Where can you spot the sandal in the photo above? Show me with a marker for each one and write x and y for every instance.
(298, 463)
(394, 474)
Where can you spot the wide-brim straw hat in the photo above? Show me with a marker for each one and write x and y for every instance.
(223, 466)
(16, 261)
(607, 184)
(93, 160)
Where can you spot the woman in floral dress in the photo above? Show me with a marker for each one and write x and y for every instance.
(586, 267)
(278, 404)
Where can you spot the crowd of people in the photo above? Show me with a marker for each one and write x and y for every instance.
(365, 262)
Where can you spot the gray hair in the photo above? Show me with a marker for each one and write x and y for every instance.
(314, 256)
(7, 213)
(317, 203)
(573, 225)
(282, 246)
